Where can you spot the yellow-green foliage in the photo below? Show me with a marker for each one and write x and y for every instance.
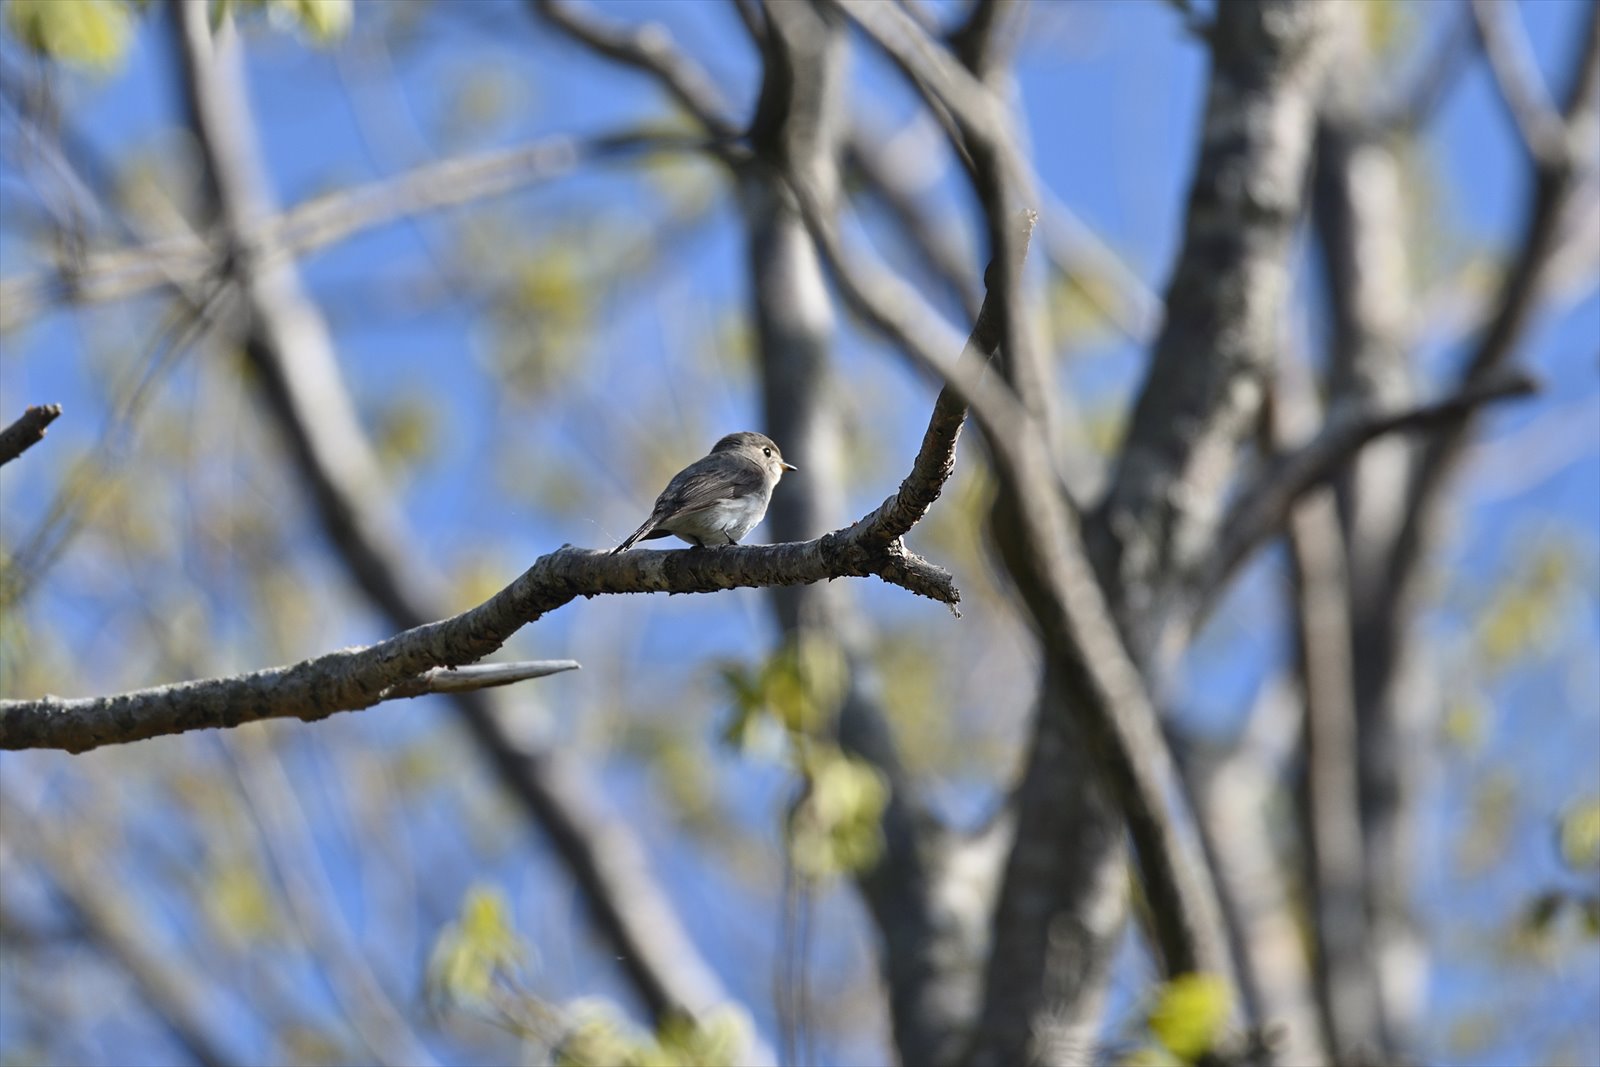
(1186, 1020)
(238, 901)
(800, 685)
(88, 33)
(1580, 834)
(1521, 616)
(599, 1039)
(480, 946)
(838, 825)
(323, 21)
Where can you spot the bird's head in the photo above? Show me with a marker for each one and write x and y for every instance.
(759, 448)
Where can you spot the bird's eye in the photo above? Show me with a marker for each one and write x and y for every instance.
(767, 451)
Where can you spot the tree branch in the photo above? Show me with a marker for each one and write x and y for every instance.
(1515, 305)
(1516, 76)
(1261, 510)
(324, 220)
(1105, 690)
(27, 431)
(1236, 794)
(1205, 381)
(300, 691)
(302, 389)
(174, 989)
(351, 679)
(648, 48)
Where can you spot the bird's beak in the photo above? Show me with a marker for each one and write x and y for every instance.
(789, 466)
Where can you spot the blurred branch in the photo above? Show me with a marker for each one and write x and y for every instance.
(1080, 253)
(798, 123)
(648, 48)
(1065, 871)
(107, 919)
(930, 939)
(1334, 865)
(1516, 76)
(754, 19)
(1261, 510)
(327, 219)
(981, 40)
(1514, 308)
(1358, 212)
(1557, 178)
(76, 497)
(1394, 715)
(1236, 793)
(945, 83)
(895, 179)
(301, 386)
(1105, 689)
(1441, 72)
(313, 904)
(1194, 22)
(27, 431)
(1202, 387)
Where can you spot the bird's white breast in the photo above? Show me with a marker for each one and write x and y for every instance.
(723, 521)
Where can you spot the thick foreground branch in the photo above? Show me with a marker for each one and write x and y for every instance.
(355, 678)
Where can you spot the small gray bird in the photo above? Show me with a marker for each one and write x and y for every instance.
(718, 499)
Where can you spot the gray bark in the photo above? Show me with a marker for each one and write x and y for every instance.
(1204, 389)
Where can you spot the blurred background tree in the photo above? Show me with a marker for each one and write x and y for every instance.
(356, 309)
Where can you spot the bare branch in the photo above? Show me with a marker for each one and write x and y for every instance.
(310, 690)
(931, 941)
(648, 48)
(1518, 298)
(27, 431)
(356, 678)
(1516, 76)
(754, 19)
(1204, 384)
(1358, 212)
(908, 44)
(1235, 796)
(288, 343)
(1194, 22)
(1105, 688)
(1334, 864)
(896, 178)
(1440, 72)
(1261, 510)
(110, 919)
(325, 220)
(287, 838)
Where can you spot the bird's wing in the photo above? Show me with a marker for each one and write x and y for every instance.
(707, 482)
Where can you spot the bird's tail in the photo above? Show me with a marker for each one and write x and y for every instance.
(649, 524)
